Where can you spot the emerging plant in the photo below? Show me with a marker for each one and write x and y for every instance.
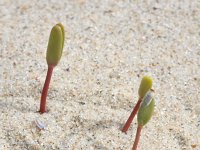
(145, 86)
(54, 53)
(144, 115)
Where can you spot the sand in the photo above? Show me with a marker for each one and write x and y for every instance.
(109, 46)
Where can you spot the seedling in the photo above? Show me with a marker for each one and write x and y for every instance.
(144, 115)
(145, 86)
(53, 55)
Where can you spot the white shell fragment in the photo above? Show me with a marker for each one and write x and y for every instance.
(147, 99)
(39, 124)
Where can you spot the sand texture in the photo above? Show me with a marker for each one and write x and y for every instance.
(109, 46)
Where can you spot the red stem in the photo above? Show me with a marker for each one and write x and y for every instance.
(45, 89)
(137, 137)
(131, 117)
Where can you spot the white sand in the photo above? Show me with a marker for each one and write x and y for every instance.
(110, 45)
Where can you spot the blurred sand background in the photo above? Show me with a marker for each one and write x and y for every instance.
(110, 45)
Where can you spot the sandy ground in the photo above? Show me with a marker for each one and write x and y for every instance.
(110, 45)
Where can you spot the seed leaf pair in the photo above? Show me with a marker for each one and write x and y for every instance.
(55, 45)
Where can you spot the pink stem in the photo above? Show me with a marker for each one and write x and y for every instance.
(137, 138)
(131, 117)
(45, 89)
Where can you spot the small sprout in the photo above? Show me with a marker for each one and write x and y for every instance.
(145, 86)
(144, 115)
(146, 109)
(54, 53)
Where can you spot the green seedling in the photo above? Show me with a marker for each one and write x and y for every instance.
(53, 55)
(144, 115)
(145, 86)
